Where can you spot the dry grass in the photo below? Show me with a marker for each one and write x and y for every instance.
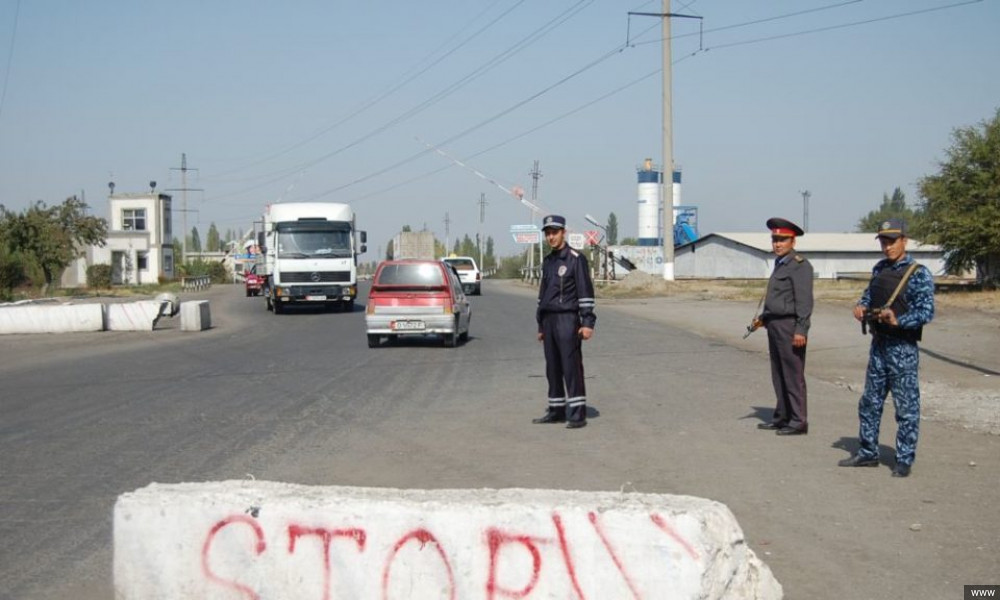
(643, 285)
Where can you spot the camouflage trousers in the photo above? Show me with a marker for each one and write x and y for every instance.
(892, 366)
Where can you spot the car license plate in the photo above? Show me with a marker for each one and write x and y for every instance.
(408, 325)
(312, 298)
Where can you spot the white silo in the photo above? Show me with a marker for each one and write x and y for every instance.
(649, 204)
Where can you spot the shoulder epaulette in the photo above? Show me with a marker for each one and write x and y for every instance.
(574, 253)
(798, 258)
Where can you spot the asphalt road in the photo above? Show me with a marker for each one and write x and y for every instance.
(300, 398)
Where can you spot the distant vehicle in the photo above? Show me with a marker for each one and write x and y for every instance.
(419, 297)
(253, 282)
(310, 255)
(468, 273)
(413, 244)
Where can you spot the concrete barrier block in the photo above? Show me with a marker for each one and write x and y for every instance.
(133, 316)
(252, 539)
(195, 315)
(51, 319)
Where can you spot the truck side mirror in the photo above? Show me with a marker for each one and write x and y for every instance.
(364, 238)
(364, 248)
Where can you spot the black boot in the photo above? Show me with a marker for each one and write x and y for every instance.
(550, 417)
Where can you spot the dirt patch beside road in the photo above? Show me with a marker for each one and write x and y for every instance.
(960, 353)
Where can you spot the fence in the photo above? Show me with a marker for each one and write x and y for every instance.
(200, 282)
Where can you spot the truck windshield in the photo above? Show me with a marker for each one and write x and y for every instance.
(298, 241)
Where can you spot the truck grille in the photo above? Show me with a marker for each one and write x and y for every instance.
(314, 276)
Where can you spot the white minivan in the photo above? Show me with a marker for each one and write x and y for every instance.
(468, 273)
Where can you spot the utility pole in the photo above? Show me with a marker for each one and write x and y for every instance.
(482, 218)
(667, 180)
(805, 209)
(536, 174)
(447, 234)
(184, 189)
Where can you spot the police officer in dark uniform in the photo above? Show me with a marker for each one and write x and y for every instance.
(895, 306)
(565, 318)
(788, 305)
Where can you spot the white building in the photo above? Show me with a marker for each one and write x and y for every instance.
(139, 248)
(749, 255)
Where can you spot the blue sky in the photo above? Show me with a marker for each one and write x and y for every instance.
(335, 100)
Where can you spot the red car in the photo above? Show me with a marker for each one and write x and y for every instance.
(253, 281)
(415, 298)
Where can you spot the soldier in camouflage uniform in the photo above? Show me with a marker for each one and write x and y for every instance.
(896, 324)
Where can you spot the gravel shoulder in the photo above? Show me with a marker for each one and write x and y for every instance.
(960, 352)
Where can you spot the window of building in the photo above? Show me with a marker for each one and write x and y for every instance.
(142, 261)
(134, 219)
(167, 229)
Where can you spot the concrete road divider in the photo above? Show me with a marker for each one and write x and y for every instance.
(134, 316)
(37, 318)
(265, 540)
(195, 315)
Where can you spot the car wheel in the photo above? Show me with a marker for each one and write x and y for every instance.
(372, 341)
(249, 293)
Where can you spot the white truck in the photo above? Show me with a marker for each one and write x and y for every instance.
(310, 255)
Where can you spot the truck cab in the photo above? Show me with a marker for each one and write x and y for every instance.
(310, 255)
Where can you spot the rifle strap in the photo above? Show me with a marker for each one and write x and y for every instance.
(902, 283)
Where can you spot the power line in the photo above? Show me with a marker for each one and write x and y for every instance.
(407, 77)
(434, 99)
(10, 56)
(843, 25)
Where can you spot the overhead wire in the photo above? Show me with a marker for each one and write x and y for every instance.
(601, 59)
(511, 51)
(603, 97)
(10, 57)
(842, 25)
(408, 76)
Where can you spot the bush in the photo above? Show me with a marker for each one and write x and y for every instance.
(99, 277)
(218, 272)
(12, 273)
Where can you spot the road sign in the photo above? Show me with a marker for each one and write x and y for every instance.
(576, 240)
(592, 237)
(528, 227)
(526, 237)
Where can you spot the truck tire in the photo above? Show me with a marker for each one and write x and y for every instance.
(373, 341)
(278, 308)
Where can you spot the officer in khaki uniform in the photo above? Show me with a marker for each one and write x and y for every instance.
(788, 306)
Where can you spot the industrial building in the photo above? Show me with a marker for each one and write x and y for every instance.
(750, 256)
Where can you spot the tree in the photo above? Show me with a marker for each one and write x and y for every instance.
(630, 241)
(612, 230)
(892, 208)
(53, 236)
(961, 204)
(212, 240)
(194, 241)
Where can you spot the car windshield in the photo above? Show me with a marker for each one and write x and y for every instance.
(314, 244)
(410, 274)
(462, 264)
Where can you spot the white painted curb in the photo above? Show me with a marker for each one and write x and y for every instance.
(253, 539)
(51, 319)
(134, 316)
